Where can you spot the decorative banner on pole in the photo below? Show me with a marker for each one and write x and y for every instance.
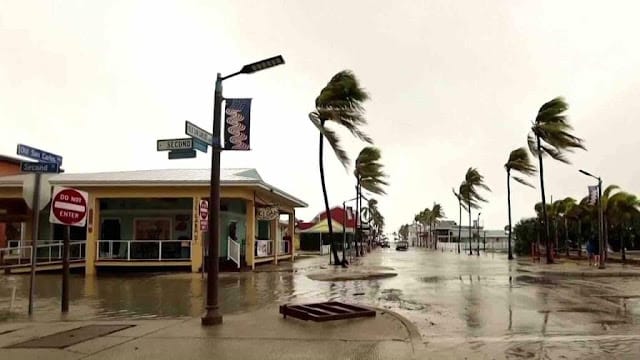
(593, 195)
(267, 213)
(237, 124)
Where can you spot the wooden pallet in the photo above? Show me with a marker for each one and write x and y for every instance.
(325, 311)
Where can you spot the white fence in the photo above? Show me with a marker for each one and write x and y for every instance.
(233, 251)
(264, 248)
(47, 253)
(144, 250)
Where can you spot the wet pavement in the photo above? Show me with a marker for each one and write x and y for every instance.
(464, 306)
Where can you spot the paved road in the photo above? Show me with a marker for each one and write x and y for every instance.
(464, 306)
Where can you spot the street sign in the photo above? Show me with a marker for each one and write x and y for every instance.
(39, 155)
(175, 144)
(197, 132)
(203, 214)
(69, 207)
(36, 167)
(181, 154)
(199, 145)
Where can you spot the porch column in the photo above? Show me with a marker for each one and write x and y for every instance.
(251, 234)
(197, 237)
(274, 230)
(93, 235)
(292, 233)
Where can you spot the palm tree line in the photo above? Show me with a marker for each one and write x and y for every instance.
(340, 103)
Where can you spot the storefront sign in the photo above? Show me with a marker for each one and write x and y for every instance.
(267, 213)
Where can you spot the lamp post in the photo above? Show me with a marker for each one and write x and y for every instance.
(478, 234)
(601, 230)
(212, 315)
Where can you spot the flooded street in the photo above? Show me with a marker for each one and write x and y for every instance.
(461, 304)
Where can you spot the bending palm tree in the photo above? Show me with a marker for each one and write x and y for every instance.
(550, 135)
(518, 161)
(473, 181)
(436, 214)
(459, 197)
(341, 103)
(369, 175)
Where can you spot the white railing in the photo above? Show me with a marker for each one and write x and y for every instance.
(264, 248)
(15, 256)
(143, 250)
(233, 251)
(52, 252)
(284, 247)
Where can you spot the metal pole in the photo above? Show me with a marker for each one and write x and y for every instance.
(478, 234)
(35, 207)
(344, 230)
(65, 269)
(601, 224)
(212, 315)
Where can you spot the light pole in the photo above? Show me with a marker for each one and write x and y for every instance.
(478, 234)
(600, 219)
(212, 315)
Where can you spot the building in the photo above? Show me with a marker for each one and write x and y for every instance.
(314, 235)
(10, 227)
(446, 232)
(150, 218)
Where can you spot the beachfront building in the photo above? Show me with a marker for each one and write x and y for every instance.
(315, 237)
(152, 218)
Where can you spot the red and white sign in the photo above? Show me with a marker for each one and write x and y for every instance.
(69, 207)
(204, 215)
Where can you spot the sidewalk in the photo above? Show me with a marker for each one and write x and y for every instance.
(577, 268)
(262, 334)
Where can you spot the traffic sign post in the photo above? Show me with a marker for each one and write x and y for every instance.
(37, 154)
(199, 133)
(181, 154)
(175, 144)
(38, 167)
(68, 207)
(203, 214)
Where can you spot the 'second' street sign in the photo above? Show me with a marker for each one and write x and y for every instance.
(181, 154)
(38, 167)
(175, 144)
(68, 207)
(37, 154)
(197, 132)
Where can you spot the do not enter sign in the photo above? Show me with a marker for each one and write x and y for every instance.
(68, 207)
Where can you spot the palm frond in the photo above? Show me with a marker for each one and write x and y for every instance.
(523, 181)
(332, 138)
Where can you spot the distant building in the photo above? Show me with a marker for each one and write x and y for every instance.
(314, 235)
(446, 231)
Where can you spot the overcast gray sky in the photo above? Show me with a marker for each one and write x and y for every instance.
(453, 84)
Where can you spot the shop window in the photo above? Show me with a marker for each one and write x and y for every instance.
(263, 229)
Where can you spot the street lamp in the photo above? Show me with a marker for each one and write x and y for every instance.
(478, 234)
(600, 219)
(212, 315)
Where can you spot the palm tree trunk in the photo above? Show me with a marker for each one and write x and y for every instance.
(470, 243)
(509, 211)
(355, 219)
(606, 237)
(566, 236)
(459, 225)
(579, 237)
(623, 252)
(547, 243)
(336, 259)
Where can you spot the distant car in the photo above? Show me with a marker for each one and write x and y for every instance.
(402, 245)
(385, 244)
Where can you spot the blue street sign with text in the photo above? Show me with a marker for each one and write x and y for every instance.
(39, 155)
(200, 145)
(181, 154)
(38, 167)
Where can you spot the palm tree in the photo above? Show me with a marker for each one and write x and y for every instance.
(369, 175)
(624, 207)
(473, 182)
(551, 135)
(436, 214)
(339, 102)
(459, 197)
(424, 217)
(377, 220)
(518, 161)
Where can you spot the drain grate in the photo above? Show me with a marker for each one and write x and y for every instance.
(67, 338)
(326, 311)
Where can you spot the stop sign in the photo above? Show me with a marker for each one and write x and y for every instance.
(68, 207)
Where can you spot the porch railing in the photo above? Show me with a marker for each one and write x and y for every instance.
(264, 248)
(285, 247)
(15, 256)
(47, 253)
(144, 250)
(233, 251)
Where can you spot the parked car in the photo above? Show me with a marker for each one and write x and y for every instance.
(385, 244)
(402, 245)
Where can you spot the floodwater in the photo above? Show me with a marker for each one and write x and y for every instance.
(464, 306)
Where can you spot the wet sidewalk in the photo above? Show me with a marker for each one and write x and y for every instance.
(262, 334)
(578, 268)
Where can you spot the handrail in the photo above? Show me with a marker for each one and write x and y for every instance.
(144, 250)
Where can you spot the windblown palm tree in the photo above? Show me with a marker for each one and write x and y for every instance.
(624, 207)
(436, 214)
(518, 161)
(369, 175)
(339, 102)
(424, 217)
(459, 197)
(551, 135)
(473, 182)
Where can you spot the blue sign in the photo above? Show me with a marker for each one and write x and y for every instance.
(181, 154)
(200, 145)
(39, 155)
(38, 167)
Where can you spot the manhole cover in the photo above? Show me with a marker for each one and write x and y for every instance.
(70, 337)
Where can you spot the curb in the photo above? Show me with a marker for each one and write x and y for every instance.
(414, 334)
(594, 274)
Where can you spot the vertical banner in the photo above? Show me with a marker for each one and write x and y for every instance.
(237, 124)
(593, 195)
